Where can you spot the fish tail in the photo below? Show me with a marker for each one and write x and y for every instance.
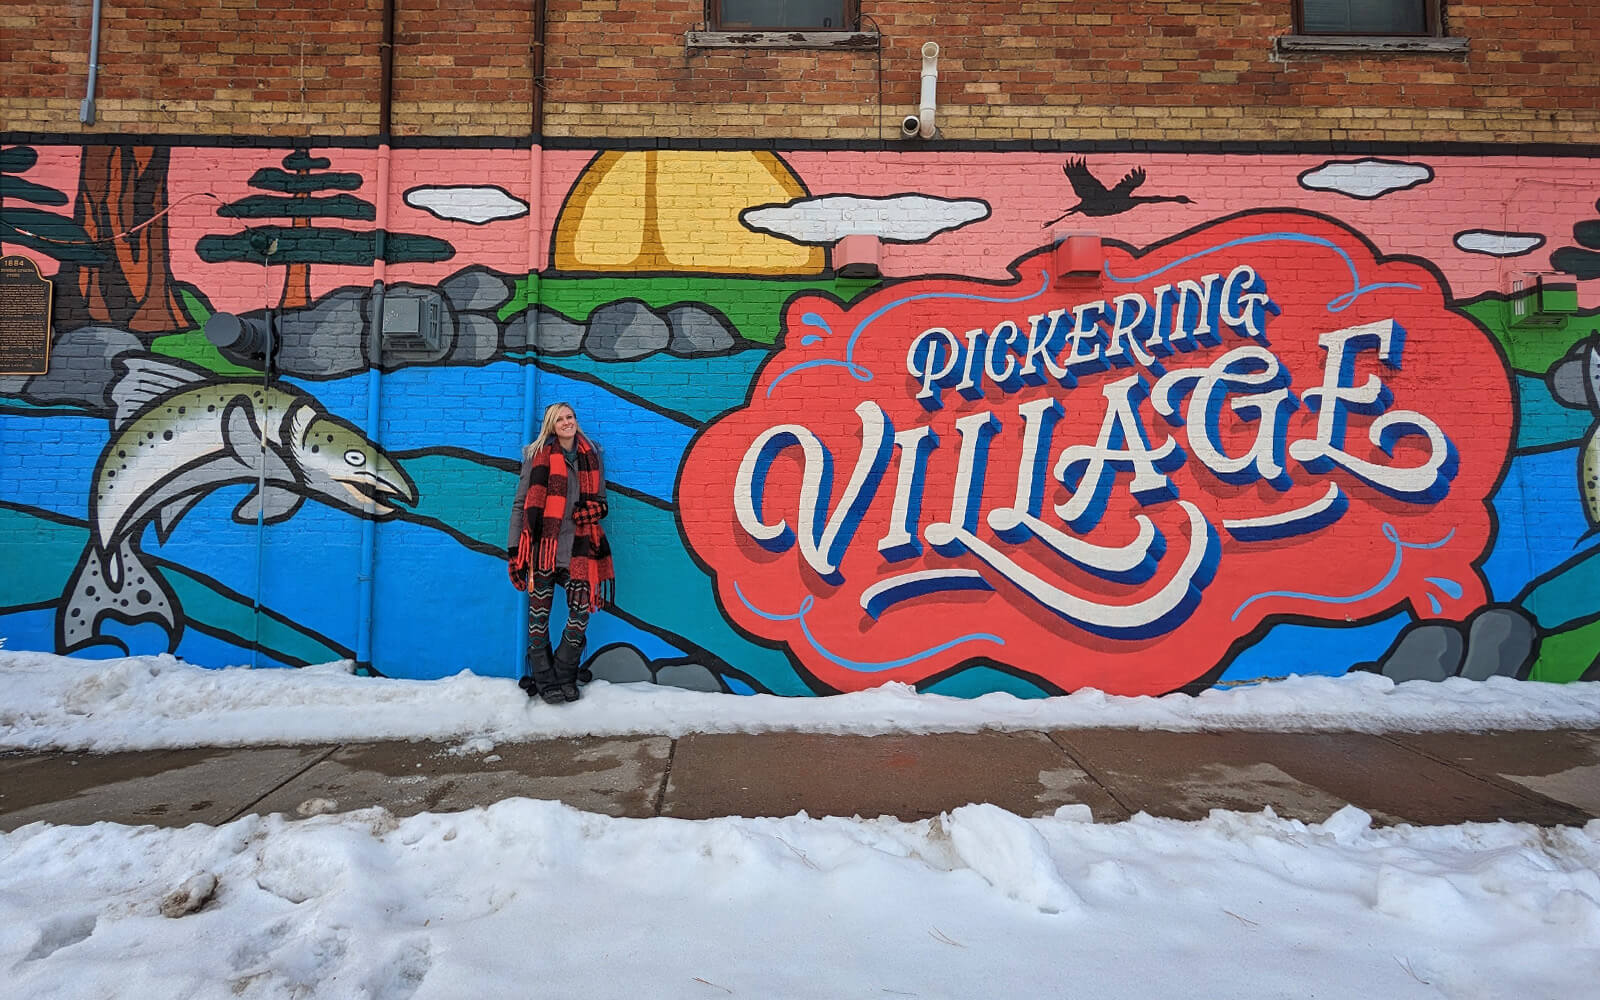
(137, 595)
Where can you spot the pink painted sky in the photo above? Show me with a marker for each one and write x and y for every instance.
(1518, 194)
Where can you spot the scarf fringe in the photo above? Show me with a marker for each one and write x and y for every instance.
(547, 553)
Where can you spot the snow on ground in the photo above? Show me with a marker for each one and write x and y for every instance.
(148, 702)
(534, 899)
(531, 898)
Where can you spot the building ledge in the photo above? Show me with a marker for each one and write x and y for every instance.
(1326, 44)
(865, 40)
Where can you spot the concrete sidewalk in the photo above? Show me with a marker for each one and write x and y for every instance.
(1546, 777)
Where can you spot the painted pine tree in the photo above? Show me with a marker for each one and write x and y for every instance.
(300, 194)
(56, 236)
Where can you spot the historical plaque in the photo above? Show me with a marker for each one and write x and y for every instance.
(24, 318)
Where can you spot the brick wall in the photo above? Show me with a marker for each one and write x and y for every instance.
(269, 67)
(1009, 69)
(1085, 70)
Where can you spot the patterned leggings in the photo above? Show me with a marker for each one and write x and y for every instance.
(541, 594)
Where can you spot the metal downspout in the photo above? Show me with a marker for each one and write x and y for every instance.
(369, 525)
(530, 400)
(86, 109)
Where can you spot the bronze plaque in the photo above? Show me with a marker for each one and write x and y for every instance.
(24, 318)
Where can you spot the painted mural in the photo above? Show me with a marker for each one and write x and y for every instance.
(1136, 422)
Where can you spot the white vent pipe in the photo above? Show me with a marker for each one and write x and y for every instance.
(922, 123)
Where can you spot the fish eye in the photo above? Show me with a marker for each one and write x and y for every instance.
(355, 458)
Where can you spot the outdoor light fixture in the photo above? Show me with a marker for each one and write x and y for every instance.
(243, 336)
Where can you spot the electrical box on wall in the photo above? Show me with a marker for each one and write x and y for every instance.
(412, 323)
(1540, 298)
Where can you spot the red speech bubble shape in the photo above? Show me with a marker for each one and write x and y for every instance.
(1107, 482)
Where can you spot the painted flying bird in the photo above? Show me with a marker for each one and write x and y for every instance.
(1095, 200)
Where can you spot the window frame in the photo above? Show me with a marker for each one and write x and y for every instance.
(1432, 16)
(849, 11)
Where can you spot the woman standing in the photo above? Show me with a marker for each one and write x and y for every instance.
(555, 538)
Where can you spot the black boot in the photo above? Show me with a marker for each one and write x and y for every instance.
(565, 668)
(541, 680)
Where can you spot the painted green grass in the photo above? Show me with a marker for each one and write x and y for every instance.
(755, 305)
(1534, 349)
(1564, 656)
(192, 346)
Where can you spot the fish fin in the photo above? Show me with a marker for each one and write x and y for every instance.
(167, 518)
(1592, 370)
(300, 417)
(144, 381)
(140, 595)
(240, 432)
(280, 505)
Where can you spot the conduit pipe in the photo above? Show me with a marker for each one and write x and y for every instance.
(922, 123)
(368, 567)
(530, 381)
(86, 109)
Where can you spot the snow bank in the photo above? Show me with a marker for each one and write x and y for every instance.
(535, 898)
(148, 702)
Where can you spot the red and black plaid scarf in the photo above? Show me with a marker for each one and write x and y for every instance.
(546, 505)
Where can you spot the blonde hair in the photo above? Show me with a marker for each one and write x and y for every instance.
(547, 429)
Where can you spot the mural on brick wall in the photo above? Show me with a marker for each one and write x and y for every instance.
(1295, 414)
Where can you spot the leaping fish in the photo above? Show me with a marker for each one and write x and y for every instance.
(176, 437)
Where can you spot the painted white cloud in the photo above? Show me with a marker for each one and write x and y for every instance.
(1368, 178)
(1498, 244)
(467, 204)
(906, 218)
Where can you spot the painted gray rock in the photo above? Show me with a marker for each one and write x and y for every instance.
(620, 665)
(477, 338)
(697, 331)
(625, 330)
(1424, 653)
(1568, 383)
(692, 676)
(80, 368)
(325, 340)
(476, 290)
(1500, 643)
(546, 332)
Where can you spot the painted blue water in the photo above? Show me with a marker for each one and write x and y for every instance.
(1314, 650)
(481, 410)
(974, 681)
(1540, 516)
(700, 388)
(1543, 421)
(49, 461)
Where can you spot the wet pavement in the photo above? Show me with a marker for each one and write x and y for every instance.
(1545, 777)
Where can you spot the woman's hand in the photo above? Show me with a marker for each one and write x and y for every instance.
(590, 512)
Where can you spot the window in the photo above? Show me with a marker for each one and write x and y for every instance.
(767, 15)
(1367, 17)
